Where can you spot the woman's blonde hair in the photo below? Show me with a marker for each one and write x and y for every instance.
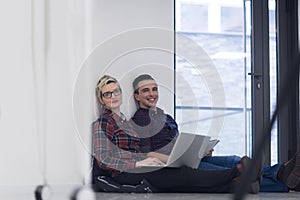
(104, 80)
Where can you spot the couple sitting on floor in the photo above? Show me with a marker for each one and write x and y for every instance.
(120, 146)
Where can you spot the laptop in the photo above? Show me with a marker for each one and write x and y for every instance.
(188, 150)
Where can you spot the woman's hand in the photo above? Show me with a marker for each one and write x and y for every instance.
(149, 161)
(159, 156)
(210, 153)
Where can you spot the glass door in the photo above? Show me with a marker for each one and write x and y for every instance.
(218, 72)
(273, 77)
(212, 86)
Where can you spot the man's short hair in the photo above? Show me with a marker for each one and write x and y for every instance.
(138, 79)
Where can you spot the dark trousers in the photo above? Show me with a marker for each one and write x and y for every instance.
(184, 179)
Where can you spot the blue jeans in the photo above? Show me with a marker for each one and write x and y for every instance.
(269, 181)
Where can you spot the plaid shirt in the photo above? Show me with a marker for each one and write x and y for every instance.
(156, 129)
(116, 145)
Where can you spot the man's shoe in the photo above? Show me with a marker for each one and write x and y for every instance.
(297, 188)
(254, 187)
(289, 173)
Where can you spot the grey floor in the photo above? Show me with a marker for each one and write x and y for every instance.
(179, 196)
(64, 193)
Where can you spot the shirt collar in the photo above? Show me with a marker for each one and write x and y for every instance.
(114, 115)
(152, 111)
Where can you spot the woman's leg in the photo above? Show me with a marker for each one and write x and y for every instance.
(168, 179)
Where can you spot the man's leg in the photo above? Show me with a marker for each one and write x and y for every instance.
(209, 166)
(269, 182)
(222, 161)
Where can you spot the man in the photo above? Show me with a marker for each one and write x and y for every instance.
(159, 131)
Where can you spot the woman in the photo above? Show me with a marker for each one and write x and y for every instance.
(117, 153)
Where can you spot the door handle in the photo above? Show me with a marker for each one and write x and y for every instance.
(255, 75)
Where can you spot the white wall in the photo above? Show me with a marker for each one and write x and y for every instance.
(18, 129)
(128, 38)
(139, 38)
(37, 77)
(37, 63)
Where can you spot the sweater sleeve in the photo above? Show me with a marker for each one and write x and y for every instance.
(108, 147)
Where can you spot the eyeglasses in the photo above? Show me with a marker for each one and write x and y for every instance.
(108, 95)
